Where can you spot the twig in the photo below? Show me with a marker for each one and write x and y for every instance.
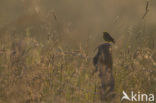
(94, 95)
(146, 10)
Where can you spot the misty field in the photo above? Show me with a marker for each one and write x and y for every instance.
(45, 58)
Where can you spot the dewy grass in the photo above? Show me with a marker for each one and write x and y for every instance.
(36, 73)
(38, 64)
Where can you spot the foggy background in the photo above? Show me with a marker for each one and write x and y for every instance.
(47, 48)
(83, 14)
(84, 19)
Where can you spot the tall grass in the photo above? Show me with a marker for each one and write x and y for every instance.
(32, 71)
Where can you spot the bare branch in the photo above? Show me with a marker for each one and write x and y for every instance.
(146, 10)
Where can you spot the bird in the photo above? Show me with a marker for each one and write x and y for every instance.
(107, 37)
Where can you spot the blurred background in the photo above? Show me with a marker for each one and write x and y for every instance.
(47, 46)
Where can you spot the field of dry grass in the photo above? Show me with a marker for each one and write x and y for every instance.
(40, 62)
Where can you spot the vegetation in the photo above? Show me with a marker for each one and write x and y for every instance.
(38, 64)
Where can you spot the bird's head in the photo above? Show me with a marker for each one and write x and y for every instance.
(105, 32)
(107, 37)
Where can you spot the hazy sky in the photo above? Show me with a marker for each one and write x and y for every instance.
(84, 15)
(82, 10)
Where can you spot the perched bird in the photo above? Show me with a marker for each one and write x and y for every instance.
(108, 38)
